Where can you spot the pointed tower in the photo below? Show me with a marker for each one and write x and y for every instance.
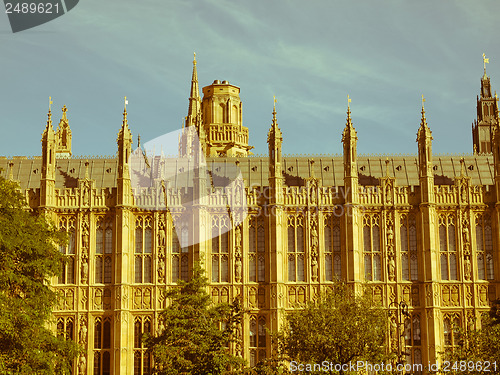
(63, 137)
(123, 258)
(124, 142)
(275, 140)
(193, 131)
(276, 218)
(426, 174)
(487, 116)
(428, 244)
(350, 140)
(48, 175)
(352, 251)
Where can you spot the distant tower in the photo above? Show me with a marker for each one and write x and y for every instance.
(222, 119)
(63, 137)
(483, 127)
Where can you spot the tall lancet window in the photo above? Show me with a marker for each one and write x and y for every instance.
(142, 359)
(103, 251)
(371, 246)
(102, 346)
(180, 261)
(220, 249)
(447, 247)
(408, 237)
(296, 248)
(256, 249)
(484, 247)
(332, 247)
(143, 249)
(67, 273)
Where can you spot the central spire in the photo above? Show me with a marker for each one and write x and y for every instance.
(194, 97)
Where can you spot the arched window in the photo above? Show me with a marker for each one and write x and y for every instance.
(296, 253)
(142, 359)
(447, 247)
(104, 249)
(102, 346)
(220, 249)
(371, 245)
(143, 250)
(67, 273)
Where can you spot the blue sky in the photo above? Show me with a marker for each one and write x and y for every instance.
(385, 54)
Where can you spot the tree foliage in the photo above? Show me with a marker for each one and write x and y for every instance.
(28, 258)
(477, 346)
(339, 328)
(195, 334)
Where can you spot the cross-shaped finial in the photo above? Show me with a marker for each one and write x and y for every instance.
(274, 96)
(64, 109)
(50, 102)
(126, 102)
(423, 100)
(348, 99)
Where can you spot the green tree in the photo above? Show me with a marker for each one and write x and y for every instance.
(196, 333)
(28, 258)
(478, 351)
(338, 329)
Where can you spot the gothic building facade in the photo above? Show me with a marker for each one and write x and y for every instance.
(418, 231)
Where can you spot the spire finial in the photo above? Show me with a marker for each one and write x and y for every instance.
(423, 108)
(125, 123)
(485, 61)
(274, 109)
(348, 109)
(50, 103)
(194, 60)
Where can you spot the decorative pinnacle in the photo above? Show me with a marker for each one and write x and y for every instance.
(64, 110)
(138, 141)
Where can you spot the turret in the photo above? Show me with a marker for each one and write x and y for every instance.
(426, 173)
(48, 177)
(222, 119)
(350, 140)
(275, 140)
(124, 142)
(487, 116)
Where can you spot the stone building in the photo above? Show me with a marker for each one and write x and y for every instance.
(420, 230)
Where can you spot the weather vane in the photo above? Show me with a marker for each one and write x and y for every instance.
(485, 61)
